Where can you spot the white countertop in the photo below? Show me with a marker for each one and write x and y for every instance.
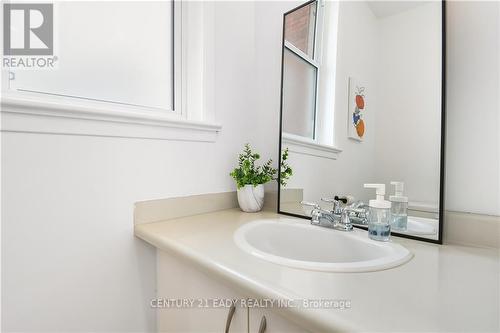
(443, 288)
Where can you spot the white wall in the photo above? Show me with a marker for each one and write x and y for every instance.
(408, 119)
(473, 111)
(70, 261)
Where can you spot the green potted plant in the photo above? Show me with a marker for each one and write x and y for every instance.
(250, 178)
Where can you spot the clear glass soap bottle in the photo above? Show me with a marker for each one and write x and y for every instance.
(399, 208)
(379, 215)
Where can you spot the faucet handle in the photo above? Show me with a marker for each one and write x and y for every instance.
(311, 204)
(336, 204)
(315, 213)
(345, 199)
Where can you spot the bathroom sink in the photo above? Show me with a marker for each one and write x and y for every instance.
(309, 247)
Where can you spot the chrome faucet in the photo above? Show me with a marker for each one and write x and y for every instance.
(340, 216)
(357, 213)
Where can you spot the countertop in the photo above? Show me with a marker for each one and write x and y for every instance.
(445, 288)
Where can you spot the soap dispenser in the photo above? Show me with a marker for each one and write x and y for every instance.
(379, 213)
(399, 207)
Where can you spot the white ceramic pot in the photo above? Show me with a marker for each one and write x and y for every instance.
(251, 198)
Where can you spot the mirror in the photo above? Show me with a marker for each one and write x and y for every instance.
(362, 101)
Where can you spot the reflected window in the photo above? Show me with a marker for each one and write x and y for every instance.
(300, 71)
(299, 95)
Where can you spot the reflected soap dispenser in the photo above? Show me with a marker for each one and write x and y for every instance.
(379, 215)
(399, 207)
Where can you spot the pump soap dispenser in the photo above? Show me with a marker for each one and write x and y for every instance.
(379, 224)
(399, 207)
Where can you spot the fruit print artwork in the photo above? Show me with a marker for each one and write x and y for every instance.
(360, 98)
(356, 110)
(357, 120)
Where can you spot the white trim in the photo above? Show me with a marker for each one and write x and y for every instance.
(301, 54)
(304, 146)
(209, 59)
(179, 64)
(198, 60)
(67, 116)
(318, 28)
(320, 22)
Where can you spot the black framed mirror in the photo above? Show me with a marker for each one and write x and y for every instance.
(363, 101)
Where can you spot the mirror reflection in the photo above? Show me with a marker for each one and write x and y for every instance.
(361, 105)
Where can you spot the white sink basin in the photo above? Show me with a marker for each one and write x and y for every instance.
(305, 246)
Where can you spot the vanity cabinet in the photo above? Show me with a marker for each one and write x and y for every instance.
(179, 281)
(189, 300)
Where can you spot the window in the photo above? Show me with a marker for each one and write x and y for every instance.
(308, 85)
(119, 52)
(299, 95)
(301, 71)
(300, 29)
(124, 68)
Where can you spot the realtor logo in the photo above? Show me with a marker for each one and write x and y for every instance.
(28, 29)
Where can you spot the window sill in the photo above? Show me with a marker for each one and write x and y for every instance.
(67, 116)
(300, 145)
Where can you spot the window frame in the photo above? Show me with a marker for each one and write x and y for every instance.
(24, 111)
(299, 144)
(314, 61)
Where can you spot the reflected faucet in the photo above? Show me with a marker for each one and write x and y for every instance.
(357, 213)
(342, 215)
